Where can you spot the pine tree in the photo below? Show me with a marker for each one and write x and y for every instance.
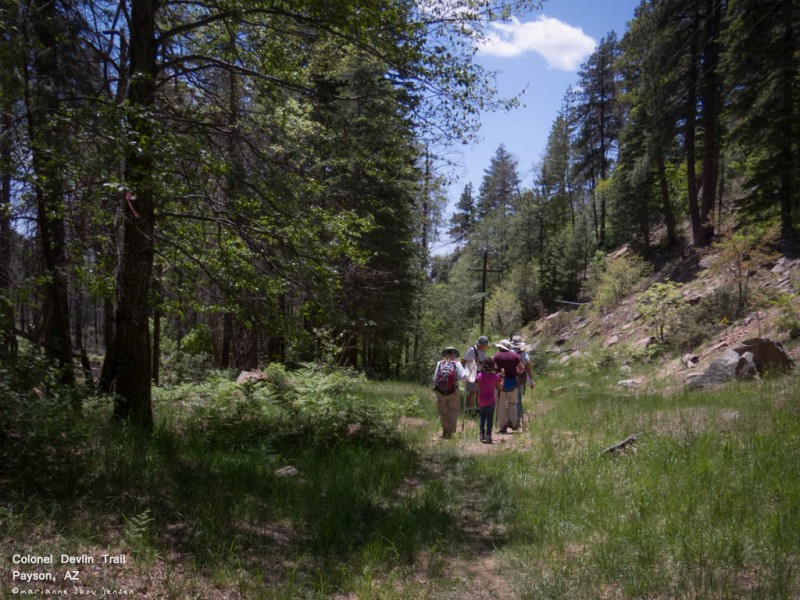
(500, 186)
(762, 62)
(599, 122)
(462, 222)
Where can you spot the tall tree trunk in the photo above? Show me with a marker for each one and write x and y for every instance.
(787, 188)
(666, 203)
(42, 86)
(227, 337)
(132, 357)
(79, 311)
(8, 341)
(690, 136)
(156, 332)
(711, 103)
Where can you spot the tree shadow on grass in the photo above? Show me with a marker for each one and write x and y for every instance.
(217, 498)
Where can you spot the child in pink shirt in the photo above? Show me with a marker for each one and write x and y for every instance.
(489, 380)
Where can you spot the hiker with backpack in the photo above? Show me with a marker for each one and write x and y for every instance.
(478, 354)
(449, 371)
(526, 378)
(510, 367)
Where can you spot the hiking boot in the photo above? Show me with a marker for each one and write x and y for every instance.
(488, 440)
(483, 438)
(503, 431)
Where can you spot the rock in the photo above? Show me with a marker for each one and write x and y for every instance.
(747, 361)
(785, 264)
(618, 253)
(564, 359)
(559, 390)
(246, 376)
(693, 376)
(611, 341)
(287, 471)
(692, 298)
(646, 342)
(690, 360)
(707, 261)
(626, 369)
(721, 370)
(767, 354)
(746, 368)
(563, 339)
(631, 383)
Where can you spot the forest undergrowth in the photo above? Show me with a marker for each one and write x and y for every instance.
(319, 484)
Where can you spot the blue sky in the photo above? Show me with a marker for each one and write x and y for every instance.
(541, 53)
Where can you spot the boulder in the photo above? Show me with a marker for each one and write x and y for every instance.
(767, 354)
(748, 360)
(721, 370)
(287, 471)
(746, 369)
(632, 383)
(248, 376)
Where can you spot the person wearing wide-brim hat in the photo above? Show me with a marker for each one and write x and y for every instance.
(477, 353)
(449, 371)
(521, 348)
(510, 366)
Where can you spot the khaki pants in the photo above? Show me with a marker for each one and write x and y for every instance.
(507, 409)
(448, 411)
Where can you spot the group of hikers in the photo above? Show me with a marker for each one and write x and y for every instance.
(499, 380)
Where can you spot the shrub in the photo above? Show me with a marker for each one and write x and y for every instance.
(610, 281)
(660, 304)
(697, 323)
(788, 320)
(198, 341)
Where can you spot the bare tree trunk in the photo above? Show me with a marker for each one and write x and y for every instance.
(666, 203)
(156, 333)
(131, 354)
(788, 189)
(8, 341)
(690, 137)
(711, 107)
(227, 336)
(42, 87)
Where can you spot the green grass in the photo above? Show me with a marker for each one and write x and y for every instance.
(708, 506)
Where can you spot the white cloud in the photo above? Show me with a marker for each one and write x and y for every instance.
(563, 46)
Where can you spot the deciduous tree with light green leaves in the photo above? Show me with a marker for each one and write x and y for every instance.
(659, 303)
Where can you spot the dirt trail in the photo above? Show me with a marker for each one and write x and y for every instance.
(477, 568)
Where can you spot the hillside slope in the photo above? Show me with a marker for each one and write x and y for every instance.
(708, 322)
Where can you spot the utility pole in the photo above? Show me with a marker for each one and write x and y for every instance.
(485, 270)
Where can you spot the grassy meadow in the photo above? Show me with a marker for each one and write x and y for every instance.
(315, 485)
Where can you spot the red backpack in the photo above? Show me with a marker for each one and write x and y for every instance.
(446, 377)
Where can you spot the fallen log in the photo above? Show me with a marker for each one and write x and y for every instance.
(628, 444)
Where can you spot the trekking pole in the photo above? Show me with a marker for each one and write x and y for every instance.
(461, 406)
